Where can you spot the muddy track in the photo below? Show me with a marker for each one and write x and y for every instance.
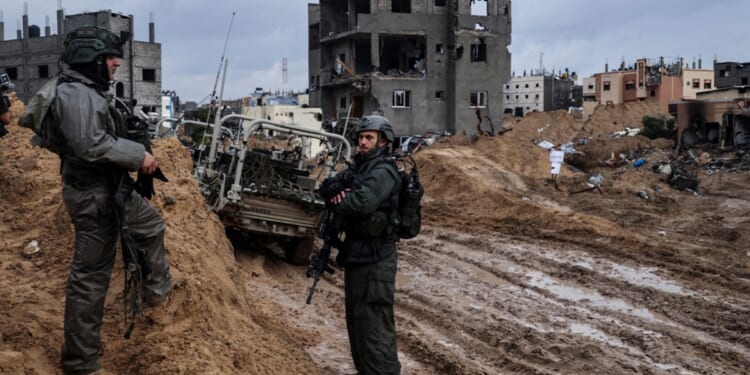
(484, 303)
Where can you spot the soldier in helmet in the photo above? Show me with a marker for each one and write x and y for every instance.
(96, 157)
(364, 200)
(4, 114)
(5, 118)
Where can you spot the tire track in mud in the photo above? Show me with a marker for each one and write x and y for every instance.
(485, 303)
(584, 306)
(280, 290)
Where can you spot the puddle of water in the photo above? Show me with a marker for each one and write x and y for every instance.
(641, 276)
(646, 277)
(592, 332)
(540, 280)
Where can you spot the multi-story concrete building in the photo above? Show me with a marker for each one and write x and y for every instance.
(31, 59)
(665, 82)
(425, 64)
(729, 74)
(538, 93)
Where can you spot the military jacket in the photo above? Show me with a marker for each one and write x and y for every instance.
(366, 212)
(93, 135)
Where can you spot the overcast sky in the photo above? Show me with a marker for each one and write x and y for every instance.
(578, 34)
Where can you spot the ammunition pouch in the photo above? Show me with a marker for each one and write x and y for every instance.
(373, 225)
(86, 175)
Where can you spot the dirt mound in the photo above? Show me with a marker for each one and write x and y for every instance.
(511, 274)
(208, 326)
(497, 183)
(607, 119)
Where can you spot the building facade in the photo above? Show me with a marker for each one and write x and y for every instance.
(538, 93)
(729, 74)
(647, 80)
(424, 64)
(31, 59)
(590, 100)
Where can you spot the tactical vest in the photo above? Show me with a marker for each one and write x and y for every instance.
(381, 223)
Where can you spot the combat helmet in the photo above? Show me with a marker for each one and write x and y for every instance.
(84, 44)
(379, 124)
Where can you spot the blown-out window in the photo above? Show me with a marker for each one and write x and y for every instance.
(149, 75)
(401, 99)
(478, 99)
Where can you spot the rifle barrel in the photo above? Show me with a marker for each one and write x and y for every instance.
(312, 290)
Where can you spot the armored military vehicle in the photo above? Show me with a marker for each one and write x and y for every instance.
(268, 192)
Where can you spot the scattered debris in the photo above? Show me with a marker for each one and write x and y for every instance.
(595, 183)
(545, 145)
(539, 130)
(567, 148)
(680, 179)
(32, 249)
(596, 180)
(171, 200)
(628, 132)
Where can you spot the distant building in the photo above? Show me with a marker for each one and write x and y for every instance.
(426, 65)
(729, 74)
(31, 59)
(719, 116)
(665, 82)
(590, 100)
(286, 110)
(539, 93)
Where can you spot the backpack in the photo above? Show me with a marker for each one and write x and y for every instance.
(409, 201)
(38, 117)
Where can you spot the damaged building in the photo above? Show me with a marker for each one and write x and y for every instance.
(664, 81)
(31, 59)
(720, 116)
(427, 65)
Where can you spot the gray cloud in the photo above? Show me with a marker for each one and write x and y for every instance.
(582, 35)
(578, 34)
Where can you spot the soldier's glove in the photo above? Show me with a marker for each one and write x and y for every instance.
(347, 178)
(144, 185)
(330, 188)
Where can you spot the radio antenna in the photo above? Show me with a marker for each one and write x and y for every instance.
(216, 82)
(223, 53)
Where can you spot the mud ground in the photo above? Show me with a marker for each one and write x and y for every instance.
(511, 274)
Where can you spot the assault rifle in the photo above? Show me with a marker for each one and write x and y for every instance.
(137, 268)
(138, 132)
(329, 233)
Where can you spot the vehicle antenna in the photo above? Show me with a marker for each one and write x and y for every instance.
(216, 82)
(223, 53)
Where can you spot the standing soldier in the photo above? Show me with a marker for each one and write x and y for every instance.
(5, 117)
(365, 200)
(95, 160)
